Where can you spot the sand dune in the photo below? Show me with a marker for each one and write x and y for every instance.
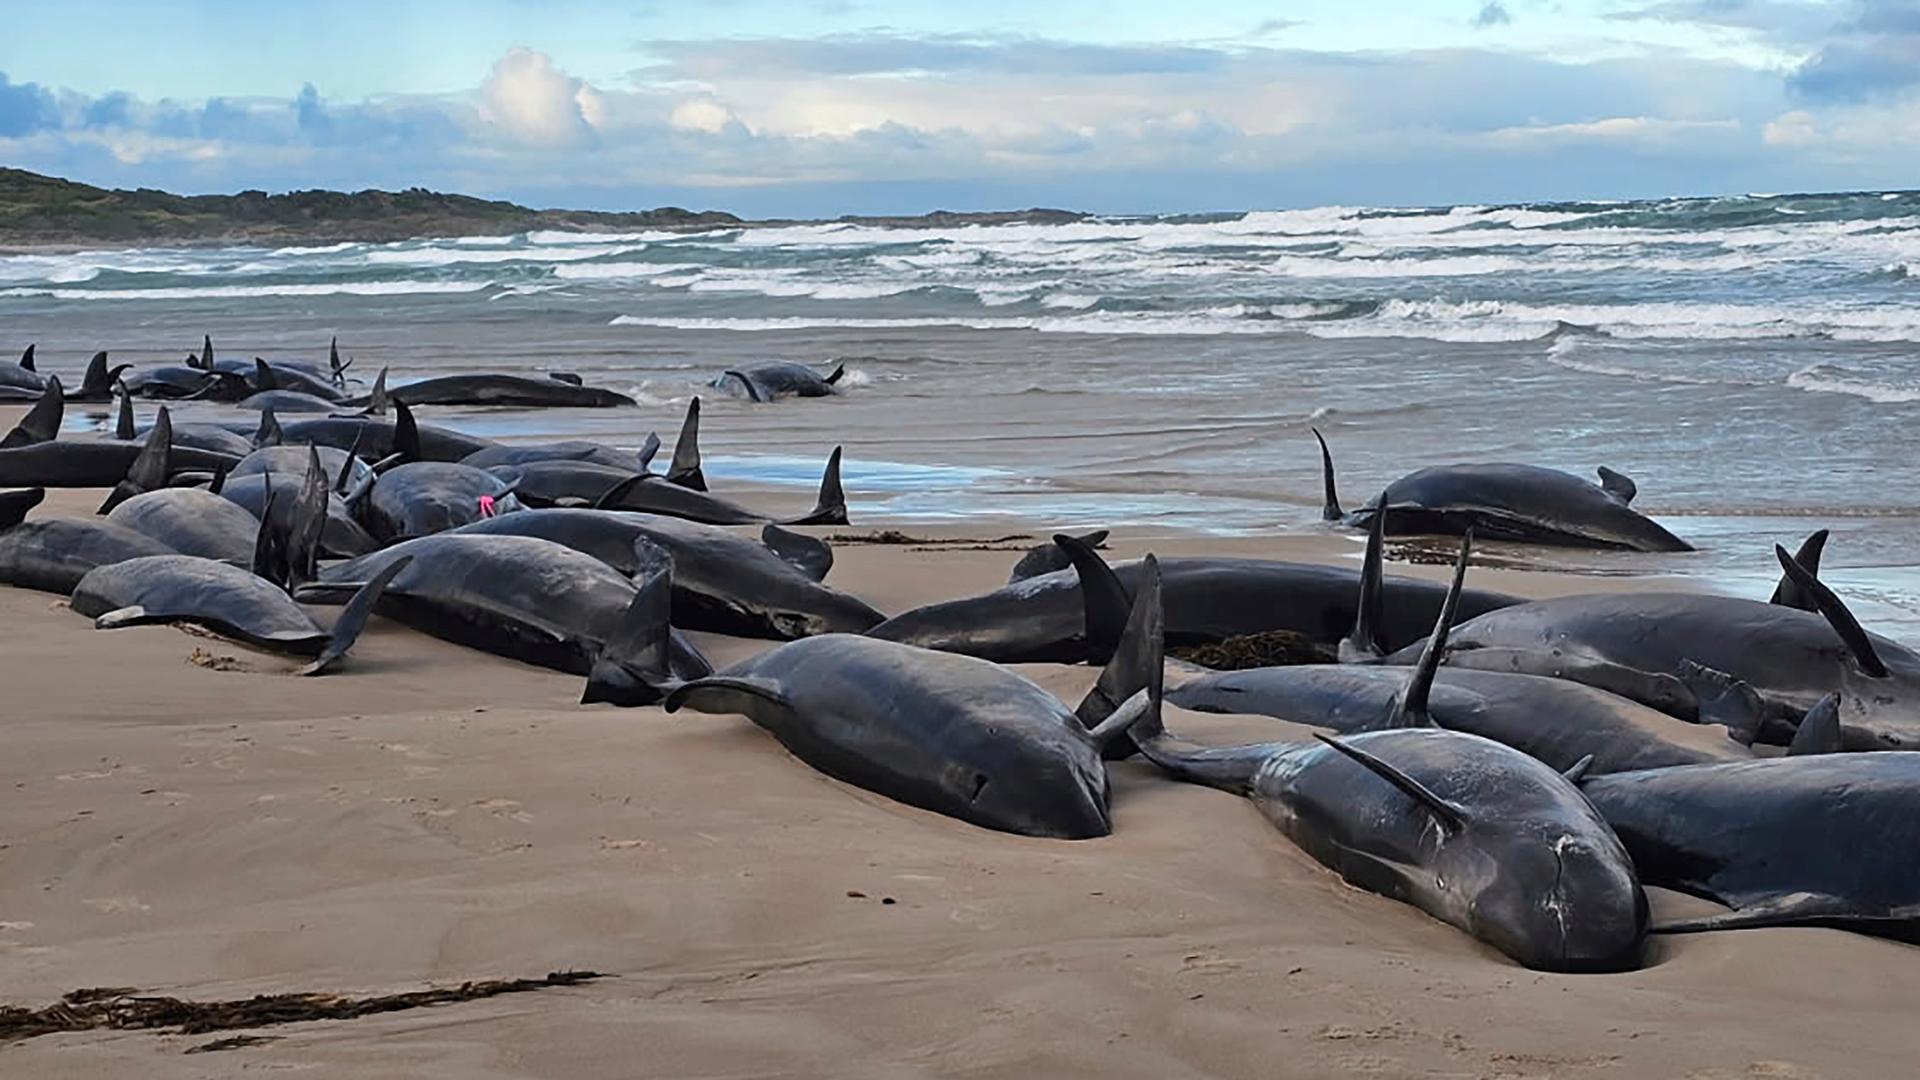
(217, 829)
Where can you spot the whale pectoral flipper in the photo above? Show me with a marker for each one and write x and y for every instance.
(648, 449)
(726, 694)
(1135, 710)
(804, 553)
(1409, 707)
(839, 372)
(1617, 484)
(1449, 815)
(353, 618)
(1789, 910)
(1835, 611)
(1578, 770)
(1722, 699)
(133, 615)
(753, 392)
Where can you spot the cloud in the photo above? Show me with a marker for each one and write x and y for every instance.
(882, 121)
(1874, 53)
(1788, 23)
(532, 101)
(1492, 13)
(25, 108)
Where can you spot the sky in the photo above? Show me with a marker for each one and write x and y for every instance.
(823, 107)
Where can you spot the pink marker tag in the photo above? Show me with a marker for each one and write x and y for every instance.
(486, 506)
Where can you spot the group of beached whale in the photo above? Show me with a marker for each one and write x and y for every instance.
(289, 386)
(1517, 769)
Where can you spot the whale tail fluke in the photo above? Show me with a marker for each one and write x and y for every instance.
(1136, 661)
(635, 667)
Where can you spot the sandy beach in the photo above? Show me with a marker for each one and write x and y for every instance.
(184, 816)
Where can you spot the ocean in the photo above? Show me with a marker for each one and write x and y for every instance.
(1749, 360)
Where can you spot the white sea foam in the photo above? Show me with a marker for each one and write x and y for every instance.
(616, 271)
(214, 292)
(456, 256)
(1822, 379)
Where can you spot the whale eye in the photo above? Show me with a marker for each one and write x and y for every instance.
(1439, 882)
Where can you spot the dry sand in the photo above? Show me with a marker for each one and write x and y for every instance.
(433, 815)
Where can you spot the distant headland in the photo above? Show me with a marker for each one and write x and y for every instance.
(37, 210)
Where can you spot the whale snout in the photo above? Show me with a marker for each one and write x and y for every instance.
(1574, 904)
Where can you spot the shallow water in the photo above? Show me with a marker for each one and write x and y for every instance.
(1748, 361)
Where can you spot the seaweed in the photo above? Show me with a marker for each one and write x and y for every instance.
(121, 1008)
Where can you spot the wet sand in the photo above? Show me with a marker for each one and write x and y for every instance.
(217, 828)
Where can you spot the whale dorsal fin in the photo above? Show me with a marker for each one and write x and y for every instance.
(1450, 815)
(378, 400)
(15, 504)
(1787, 594)
(1108, 608)
(268, 433)
(26, 358)
(830, 505)
(1836, 613)
(1364, 643)
(406, 433)
(1618, 484)
(1578, 770)
(123, 425)
(1331, 511)
(1410, 706)
(42, 422)
(263, 376)
(1819, 731)
(345, 478)
(685, 469)
(648, 449)
(839, 372)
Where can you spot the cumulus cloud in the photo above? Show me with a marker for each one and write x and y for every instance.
(531, 100)
(25, 108)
